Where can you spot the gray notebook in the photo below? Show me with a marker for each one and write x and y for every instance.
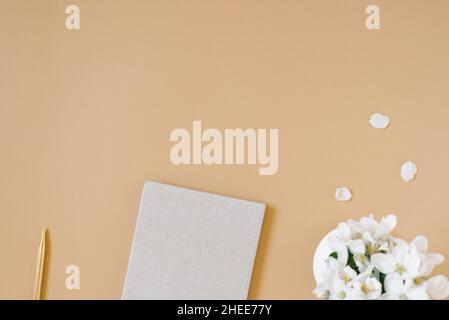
(192, 245)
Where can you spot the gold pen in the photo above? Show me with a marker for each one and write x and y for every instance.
(40, 267)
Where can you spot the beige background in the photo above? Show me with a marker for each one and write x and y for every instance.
(85, 118)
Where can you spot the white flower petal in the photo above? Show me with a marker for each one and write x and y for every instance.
(398, 241)
(394, 285)
(343, 231)
(368, 224)
(412, 262)
(389, 222)
(389, 296)
(349, 272)
(342, 253)
(438, 287)
(400, 252)
(385, 263)
(368, 237)
(429, 262)
(417, 293)
(435, 258)
(379, 121)
(408, 171)
(343, 194)
(421, 243)
(374, 289)
(357, 246)
(384, 246)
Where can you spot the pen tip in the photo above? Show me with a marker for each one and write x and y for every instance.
(44, 234)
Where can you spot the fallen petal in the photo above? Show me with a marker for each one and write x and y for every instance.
(379, 121)
(343, 194)
(408, 171)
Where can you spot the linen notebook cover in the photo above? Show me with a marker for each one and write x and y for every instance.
(192, 245)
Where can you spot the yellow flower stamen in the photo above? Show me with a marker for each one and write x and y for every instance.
(400, 269)
(418, 281)
(346, 279)
(365, 289)
(372, 249)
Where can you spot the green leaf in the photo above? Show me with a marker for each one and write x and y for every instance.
(334, 255)
(382, 280)
(351, 262)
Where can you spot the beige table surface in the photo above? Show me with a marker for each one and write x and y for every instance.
(85, 118)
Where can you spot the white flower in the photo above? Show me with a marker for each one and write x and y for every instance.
(371, 230)
(402, 261)
(428, 260)
(341, 282)
(438, 287)
(366, 262)
(337, 282)
(343, 240)
(397, 288)
(340, 290)
(362, 262)
(322, 289)
(366, 287)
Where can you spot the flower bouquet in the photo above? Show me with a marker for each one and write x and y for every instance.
(364, 261)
